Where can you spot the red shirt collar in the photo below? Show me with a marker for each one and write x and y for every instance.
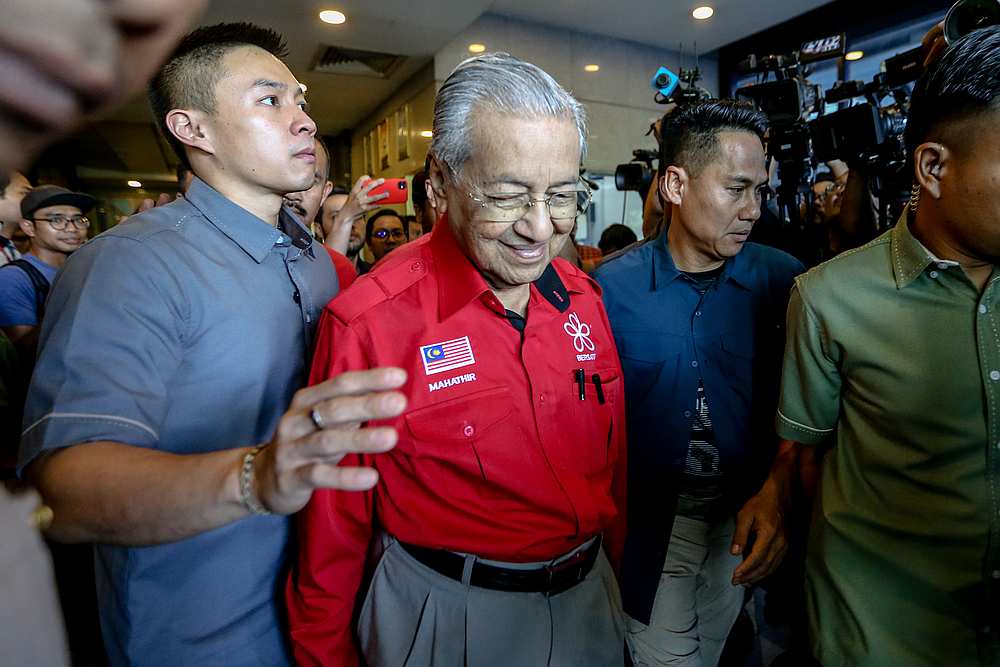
(459, 281)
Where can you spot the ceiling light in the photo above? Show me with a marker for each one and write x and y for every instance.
(592, 68)
(477, 48)
(854, 55)
(134, 184)
(426, 134)
(703, 13)
(332, 16)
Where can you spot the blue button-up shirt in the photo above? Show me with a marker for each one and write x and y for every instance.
(186, 329)
(669, 337)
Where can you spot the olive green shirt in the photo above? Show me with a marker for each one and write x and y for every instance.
(893, 361)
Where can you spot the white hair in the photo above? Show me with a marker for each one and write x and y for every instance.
(502, 83)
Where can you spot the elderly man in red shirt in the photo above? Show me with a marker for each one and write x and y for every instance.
(484, 534)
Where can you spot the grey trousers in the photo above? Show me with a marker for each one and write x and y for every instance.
(414, 616)
(696, 603)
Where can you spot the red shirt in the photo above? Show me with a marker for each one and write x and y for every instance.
(497, 454)
(346, 273)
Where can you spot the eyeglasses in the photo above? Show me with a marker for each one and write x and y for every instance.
(385, 233)
(60, 222)
(511, 207)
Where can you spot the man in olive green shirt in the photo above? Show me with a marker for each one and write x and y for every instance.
(893, 359)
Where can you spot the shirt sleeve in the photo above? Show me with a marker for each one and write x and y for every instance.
(17, 298)
(111, 339)
(810, 381)
(346, 273)
(334, 530)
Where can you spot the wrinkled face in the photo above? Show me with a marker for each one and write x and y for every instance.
(510, 156)
(718, 207)
(307, 203)
(45, 236)
(970, 186)
(10, 202)
(388, 233)
(260, 133)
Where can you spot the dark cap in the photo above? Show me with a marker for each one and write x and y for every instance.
(53, 195)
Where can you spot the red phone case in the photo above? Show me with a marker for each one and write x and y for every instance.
(396, 187)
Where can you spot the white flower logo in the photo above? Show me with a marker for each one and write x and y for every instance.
(580, 333)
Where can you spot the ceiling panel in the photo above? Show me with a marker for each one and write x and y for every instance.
(661, 23)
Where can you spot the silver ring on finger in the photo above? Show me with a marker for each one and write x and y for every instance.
(316, 419)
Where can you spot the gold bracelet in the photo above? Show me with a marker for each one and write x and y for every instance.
(247, 494)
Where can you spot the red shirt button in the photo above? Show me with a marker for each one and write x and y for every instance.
(468, 431)
(416, 266)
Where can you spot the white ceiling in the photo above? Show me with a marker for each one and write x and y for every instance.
(421, 29)
(661, 23)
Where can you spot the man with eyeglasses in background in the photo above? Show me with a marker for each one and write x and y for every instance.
(384, 232)
(488, 518)
(53, 219)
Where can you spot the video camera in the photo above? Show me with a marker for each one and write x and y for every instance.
(788, 100)
(636, 175)
(680, 89)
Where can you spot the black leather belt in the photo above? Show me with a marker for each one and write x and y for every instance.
(550, 580)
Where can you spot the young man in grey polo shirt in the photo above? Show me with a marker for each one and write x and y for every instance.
(158, 422)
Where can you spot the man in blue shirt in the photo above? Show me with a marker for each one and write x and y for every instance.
(698, 317)
(54, 221)
(165, 420)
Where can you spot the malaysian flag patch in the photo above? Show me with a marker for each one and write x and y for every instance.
(446, 356)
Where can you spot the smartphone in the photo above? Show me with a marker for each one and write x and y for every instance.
(396, 187)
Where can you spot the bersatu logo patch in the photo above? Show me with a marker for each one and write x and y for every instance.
(580, 333)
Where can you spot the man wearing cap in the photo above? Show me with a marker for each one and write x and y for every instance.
(53, 218)
(492, 515)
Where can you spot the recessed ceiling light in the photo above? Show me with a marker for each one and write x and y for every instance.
(134, 184)
(854, 55)
(426, 134)
(332, 16)
(592, 68)
(703, 13)
(477, 48)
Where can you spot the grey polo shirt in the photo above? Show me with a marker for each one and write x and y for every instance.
(185, 329)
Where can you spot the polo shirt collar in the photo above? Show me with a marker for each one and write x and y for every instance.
(909, 256)
(459, 282)
(737, 269)
(249, 232)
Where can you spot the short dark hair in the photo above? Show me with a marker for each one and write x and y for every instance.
(381, 213)
(418, 192)
(188, 79)
(964, 82)
(181, 170)
(616, 237)
(689, 136)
